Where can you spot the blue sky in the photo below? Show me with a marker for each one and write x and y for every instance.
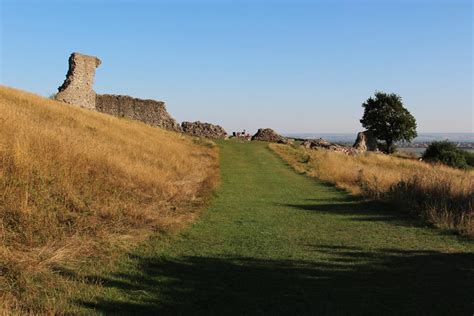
(295, 66)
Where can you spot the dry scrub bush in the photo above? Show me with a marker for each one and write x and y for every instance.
(442, 195)
(75, 183)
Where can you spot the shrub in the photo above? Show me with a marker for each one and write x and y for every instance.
(469, 158)
(446, 153)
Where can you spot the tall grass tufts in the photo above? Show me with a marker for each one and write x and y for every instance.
(442, 195)
(76, 184)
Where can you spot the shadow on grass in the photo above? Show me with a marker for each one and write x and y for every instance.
(357, 209)
(351, 281)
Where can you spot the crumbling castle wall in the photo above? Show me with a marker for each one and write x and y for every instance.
(147, 111)
(203, 130)
(77, 89)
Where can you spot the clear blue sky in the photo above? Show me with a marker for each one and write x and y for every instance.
(295, 66)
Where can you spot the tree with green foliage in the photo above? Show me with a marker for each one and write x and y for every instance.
(448, 154)
(387, 118)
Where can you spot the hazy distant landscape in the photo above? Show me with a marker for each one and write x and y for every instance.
(417, 146)
(422, 137)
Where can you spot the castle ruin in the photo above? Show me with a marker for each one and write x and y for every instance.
(78, 89)
(150, 112)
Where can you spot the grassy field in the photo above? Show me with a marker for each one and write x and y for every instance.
(78, 185)
(441, 195)
(277, 242)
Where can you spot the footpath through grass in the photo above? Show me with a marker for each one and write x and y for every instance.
(276, 242)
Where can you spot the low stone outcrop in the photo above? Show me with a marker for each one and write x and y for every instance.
(77, 89)
(150, 112)
(269, 135)
(366, 141)
(321, 144)
(200, 129)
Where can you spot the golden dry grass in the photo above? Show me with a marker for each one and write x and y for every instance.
(76, 184)
(442, 195)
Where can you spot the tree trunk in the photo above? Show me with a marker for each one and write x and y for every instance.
(389, 148)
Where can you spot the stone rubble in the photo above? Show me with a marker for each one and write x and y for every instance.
(269, 135)
(201, 129)
(321, 144)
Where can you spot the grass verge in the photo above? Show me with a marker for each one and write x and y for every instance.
(442, 195)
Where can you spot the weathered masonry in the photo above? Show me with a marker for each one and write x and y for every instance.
(200, 129)
(78, 87)
(147, 111)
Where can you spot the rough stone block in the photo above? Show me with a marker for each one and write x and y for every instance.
(366, 141)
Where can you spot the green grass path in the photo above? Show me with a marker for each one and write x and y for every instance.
(276, 242)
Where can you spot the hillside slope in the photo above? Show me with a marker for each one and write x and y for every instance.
(74, 183)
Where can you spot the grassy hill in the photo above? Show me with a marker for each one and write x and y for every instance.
(76, 184)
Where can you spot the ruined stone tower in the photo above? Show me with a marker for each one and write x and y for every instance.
(77, 89)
